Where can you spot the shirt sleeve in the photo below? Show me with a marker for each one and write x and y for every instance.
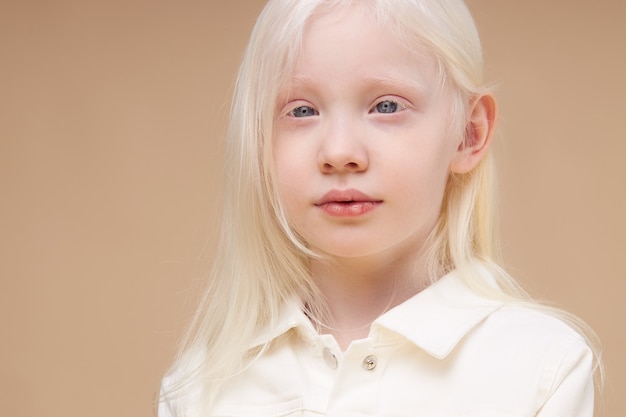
(571, 386)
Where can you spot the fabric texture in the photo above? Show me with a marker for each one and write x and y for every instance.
(446, 352)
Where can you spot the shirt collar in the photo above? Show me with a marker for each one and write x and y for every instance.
(435, 319)
(291, 317)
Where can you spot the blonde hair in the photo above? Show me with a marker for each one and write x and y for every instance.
(261, 262)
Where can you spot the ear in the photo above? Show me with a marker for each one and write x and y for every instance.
(479, 132)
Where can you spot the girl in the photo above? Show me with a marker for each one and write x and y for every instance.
(357, 273)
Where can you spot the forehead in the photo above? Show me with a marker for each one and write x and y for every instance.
(350, 42)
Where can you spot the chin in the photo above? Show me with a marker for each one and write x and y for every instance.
(353, 251)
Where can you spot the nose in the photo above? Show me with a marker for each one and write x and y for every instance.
(343, 149)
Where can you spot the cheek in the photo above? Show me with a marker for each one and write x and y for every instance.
(287, 174)
(292, 161)
(289, 180)
(422, 179)
(281, 163)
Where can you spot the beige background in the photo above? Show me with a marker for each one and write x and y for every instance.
(111, 114)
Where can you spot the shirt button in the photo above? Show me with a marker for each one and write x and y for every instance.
(329, 358)
(370, 362)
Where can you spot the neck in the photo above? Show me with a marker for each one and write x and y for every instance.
(357, 291)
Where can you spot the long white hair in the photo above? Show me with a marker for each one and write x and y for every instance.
(261, 262)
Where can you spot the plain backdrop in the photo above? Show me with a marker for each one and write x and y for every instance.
(111, 119)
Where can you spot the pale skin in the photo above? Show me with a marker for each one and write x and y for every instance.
(363, 149)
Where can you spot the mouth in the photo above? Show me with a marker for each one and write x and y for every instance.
(347, 203)
(345, 197)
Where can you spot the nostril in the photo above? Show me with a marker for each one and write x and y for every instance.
(342, 163)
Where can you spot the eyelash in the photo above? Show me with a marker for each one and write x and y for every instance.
(309, 111)
(396, 106)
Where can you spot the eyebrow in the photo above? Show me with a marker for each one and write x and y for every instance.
(298, 81)
(392, 83)
(370, 82)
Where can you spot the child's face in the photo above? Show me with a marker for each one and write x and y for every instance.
(362, 142)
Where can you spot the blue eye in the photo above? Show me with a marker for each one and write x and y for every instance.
(387, 106)
(304, 111)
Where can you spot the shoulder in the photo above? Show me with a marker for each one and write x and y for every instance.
(181, 388)
(545, 347)
(531, 326)
(524, 334)
(535, 344)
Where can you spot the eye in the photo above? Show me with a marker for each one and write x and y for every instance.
(387, 106)
(304, 111)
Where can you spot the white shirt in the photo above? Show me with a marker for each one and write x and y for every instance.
(446, 352)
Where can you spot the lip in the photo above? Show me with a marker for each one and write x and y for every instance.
(347, 203)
